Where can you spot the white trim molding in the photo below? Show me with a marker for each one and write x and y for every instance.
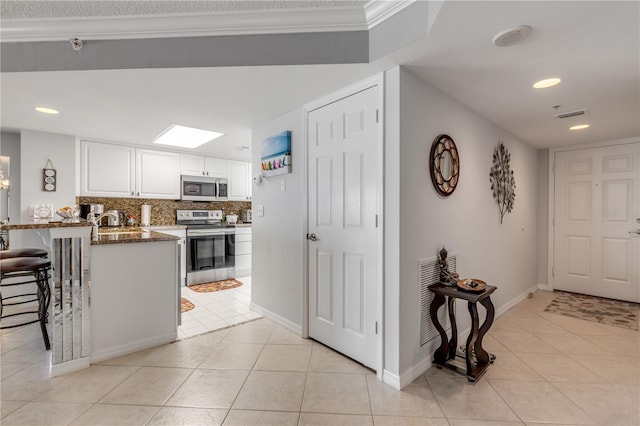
(378, 11)
(283, 21)
(292, 326)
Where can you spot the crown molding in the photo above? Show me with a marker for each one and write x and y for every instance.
(197, 25)
(194, 25)
(377, 11)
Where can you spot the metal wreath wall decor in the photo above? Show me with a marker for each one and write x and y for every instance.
(502, 181)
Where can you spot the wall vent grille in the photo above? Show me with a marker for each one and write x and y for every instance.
(429, 273)
(571, 114)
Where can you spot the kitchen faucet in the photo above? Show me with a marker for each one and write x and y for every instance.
(95, 221)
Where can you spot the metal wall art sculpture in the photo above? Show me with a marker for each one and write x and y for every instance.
(502, 181)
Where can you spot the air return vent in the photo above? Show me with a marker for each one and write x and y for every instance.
(572, 114)
(429, 273)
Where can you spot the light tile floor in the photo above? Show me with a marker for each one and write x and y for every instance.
(549, 369)
(217, 310)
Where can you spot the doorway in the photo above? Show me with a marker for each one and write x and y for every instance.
(596, 219)
(344, 144)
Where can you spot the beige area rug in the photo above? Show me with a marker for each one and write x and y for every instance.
(598, 309)
(215, 286)
(186, 305)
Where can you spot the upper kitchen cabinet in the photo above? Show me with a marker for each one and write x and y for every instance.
(239, 175)
(199, 165)
(107, 170)
(157, 174)
(121, 171)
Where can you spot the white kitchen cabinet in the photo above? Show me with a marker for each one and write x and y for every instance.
(239, 175)
(199, 165)
(107, 170)
(243, 251)
(157, 174)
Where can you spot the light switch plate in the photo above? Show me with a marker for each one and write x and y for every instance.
(260, 210)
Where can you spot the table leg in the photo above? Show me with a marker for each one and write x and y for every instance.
(441, 354)
(482, 355)
(454, 328)
(473, 335)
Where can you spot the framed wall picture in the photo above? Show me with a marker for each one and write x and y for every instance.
(49, 177)
(276, 154)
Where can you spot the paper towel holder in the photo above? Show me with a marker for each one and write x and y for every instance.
(145, 215)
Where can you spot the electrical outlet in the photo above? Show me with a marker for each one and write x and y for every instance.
(260, 210)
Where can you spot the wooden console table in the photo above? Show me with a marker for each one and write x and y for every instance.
(476, 358)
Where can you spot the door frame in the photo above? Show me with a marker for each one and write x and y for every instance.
(552, 196)
(376, 80)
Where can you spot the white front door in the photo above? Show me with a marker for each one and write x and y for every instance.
(343, 200)
(597, 214)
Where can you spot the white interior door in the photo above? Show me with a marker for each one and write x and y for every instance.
(342, 155)
(597, 217)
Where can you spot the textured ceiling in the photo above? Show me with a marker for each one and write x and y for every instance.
(20, 9)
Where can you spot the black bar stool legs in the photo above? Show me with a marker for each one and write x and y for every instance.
(25, 271)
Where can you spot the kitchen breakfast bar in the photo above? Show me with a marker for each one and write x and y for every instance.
(112, 293)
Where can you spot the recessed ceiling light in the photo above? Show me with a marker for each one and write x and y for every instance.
(579, 127)
(185, 137)
(547, 82)
(46, 110)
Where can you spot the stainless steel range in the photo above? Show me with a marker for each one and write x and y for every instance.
(210, 246)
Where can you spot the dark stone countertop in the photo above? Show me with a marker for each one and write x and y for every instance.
(129, 235)
(44, 224)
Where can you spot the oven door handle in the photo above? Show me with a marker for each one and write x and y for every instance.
(205, 233)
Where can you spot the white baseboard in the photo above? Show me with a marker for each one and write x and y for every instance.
(116, 351)
(545, 287)
(513, 302)
(391, 379)
(296, 328)
(69, 367)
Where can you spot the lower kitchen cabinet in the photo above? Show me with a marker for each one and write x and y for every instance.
(243, 251)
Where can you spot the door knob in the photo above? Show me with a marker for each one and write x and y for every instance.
(312, 237)
(635, 232)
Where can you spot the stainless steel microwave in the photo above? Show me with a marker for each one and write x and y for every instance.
(201, 188)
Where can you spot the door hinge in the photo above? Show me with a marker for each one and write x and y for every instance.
(377, 115)
(553, 271)
(553, 221)
(376, 327)
(376, 221)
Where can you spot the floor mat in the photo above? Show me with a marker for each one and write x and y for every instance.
(215, 286)
(186, 305)
(598, 309)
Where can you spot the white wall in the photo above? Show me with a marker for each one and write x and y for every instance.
(467, 222)
(278, 239)
(10, 147)
(35, 149)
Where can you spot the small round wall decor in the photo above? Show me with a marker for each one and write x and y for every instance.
(444, 164)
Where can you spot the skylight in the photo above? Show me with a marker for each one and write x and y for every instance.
(185, 137)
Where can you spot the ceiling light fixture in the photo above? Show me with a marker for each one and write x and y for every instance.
(512, 36)
(185, 137)
(547, 82)
(579, 127)
(46, 110)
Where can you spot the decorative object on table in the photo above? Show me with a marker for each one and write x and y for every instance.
(276, 154)
(473, 285)
(502, 181)
(186, 305)
(215, 286)
(131, 220)
(49, 176)
(43, 211)
(446, 277)
(612, 312)
(68, 212)
(444, 165)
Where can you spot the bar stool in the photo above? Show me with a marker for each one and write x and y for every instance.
(23, 252)
(16, 272)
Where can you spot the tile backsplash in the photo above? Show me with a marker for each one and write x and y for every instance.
(163, 212)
